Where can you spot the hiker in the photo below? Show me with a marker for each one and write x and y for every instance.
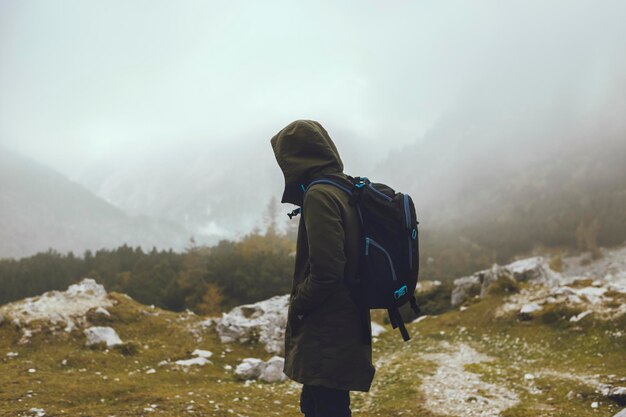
(325, 347)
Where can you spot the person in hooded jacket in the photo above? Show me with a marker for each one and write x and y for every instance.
(325, 347)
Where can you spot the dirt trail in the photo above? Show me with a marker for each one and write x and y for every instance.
(453, 391)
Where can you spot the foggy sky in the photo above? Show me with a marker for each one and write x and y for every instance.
(81, 81)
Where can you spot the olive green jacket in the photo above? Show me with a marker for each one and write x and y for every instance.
(324, 343)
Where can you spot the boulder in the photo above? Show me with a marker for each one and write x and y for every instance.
(250, 368)
(59, 308)
(273, 371)
(264, 322)
(270, 371)
(464, 289)
(106, 335)
(531, 269)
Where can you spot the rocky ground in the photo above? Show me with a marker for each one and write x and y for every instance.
(522, 340)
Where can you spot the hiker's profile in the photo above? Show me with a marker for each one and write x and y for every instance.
(324, 345)
(356, 250)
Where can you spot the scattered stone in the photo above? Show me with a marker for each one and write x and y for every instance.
(426, 286)
(530, 308)
(529, 377)
(197, 361)
(377, 329)
(249, 368)
(37, 412)
(594, 404)
(253, 368)
(264, 321)
(273, 371)
(103, 311)
(12, 355)
(202, 353)
(580, 316)
(207, 323)
(98, 334)
(151, 371)
(32, 370)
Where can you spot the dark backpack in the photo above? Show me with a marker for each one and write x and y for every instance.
(389, 255)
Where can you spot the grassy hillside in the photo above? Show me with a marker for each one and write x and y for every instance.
(546, 366)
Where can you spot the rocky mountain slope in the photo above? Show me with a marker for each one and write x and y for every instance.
(41, 209)
(522, 340)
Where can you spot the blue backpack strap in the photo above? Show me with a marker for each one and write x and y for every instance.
(331, 182)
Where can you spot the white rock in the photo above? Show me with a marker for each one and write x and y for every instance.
(59, 307)
(464, 288)
(38, 412)
(420, 318)
(273, 371)
(103, 311)
(151, 371)
(578, 317)
(426, 285)
(377, 329)
(250, 368)
(530, 269)
(618, 393)
(197, 361)
(99, 334)
(592, 294)
(207, 323)
(32, 370)
(13, 354)
(530, 308)
(574, 299)
(529, 377)
(594, 404)
(266, 320)
(202, 353)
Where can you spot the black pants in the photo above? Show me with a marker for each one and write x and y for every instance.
(318, 401)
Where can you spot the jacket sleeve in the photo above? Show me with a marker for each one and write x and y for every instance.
(326, 236)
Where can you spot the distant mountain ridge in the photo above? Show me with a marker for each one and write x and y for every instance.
(41, 209)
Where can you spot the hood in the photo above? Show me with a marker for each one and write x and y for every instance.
(304, 151)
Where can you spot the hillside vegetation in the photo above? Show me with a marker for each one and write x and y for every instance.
(471, 361)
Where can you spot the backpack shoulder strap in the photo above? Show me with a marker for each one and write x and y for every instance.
(337, 184)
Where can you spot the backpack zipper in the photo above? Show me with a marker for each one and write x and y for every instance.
(382, 195)
(370, 241)
(407, 219)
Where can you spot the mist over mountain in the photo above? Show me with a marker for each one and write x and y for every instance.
(548, 173)
(41, 209)
(216, 192)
